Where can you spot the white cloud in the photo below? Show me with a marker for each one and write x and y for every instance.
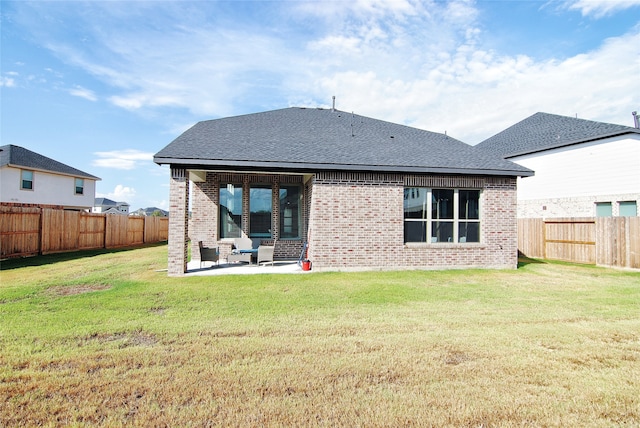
(209, 67)
(162, 204)
(7, 82)
(122, 159)
(418, 62)
(130, 102)
(601, 8)
(87, 94)
(119, 194)
(474, 94)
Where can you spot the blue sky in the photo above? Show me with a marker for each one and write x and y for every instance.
(102, 86)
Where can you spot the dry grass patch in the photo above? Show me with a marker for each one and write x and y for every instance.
(70, 290)
(547, 345)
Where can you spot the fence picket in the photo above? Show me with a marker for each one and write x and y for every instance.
(31, 230)
(605, 241)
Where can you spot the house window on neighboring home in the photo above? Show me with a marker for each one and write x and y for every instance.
(290, 213)
(260, 211)
(79, 186)
(26, 180)
(603, 209)
(230, 211)
(628, 209)
(441, 215)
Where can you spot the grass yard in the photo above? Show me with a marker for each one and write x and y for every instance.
(108, 340)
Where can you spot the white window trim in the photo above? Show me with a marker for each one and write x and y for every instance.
(75, 186)
(33, 179)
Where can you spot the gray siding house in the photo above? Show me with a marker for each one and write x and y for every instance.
(364, 194)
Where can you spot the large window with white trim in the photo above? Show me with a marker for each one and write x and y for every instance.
(441, 215)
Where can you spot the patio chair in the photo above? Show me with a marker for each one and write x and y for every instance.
(265, 254)
(242, 252)
(208, 254)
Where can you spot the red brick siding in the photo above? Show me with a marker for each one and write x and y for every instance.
(356, 222)
(178, 221)
(205, 206)
(205, 197)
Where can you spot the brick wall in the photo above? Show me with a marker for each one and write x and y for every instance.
(205, 198)
(205, 206)
(178, 221)
(356, 220)
(356, 223)
(579, 206)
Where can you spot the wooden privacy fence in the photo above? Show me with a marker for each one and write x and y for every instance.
(606, 241)
(26, 231)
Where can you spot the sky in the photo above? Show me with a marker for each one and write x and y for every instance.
(103, 86)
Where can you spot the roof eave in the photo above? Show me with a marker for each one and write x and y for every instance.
(573, 143)
(311, 167)
(49, 171)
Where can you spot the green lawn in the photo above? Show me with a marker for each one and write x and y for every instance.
(106, 338)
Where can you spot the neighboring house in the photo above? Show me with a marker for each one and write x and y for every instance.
(363, 193)
(27, 177)
(151, 211)
(582, 168)
(107, 206)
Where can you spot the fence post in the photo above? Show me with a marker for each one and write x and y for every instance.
(544, 239)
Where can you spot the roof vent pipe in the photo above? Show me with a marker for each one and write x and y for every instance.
(636, 120)
(333, 107)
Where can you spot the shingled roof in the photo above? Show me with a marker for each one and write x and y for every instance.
(544, 131)
(22, 158)
(311, 139)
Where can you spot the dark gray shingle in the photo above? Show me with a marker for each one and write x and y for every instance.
(316, 139)
(544, 131)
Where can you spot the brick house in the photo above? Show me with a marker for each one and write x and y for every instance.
(364, 194)
(583, 168)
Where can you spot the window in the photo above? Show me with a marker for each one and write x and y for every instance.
(260, 209)
(628, 209)
(258, 202)
(290, 214)
(469, 216)
(230, 211)
(603, 209)
(79, 186)
(26, 180)
(441, 215)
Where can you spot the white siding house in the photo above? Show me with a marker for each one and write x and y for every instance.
(107, 206)
(582, 168)
(27, 177)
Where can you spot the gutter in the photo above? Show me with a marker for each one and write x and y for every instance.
(572, 143)
(309, 168)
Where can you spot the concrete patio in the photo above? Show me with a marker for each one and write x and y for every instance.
(224, 268)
